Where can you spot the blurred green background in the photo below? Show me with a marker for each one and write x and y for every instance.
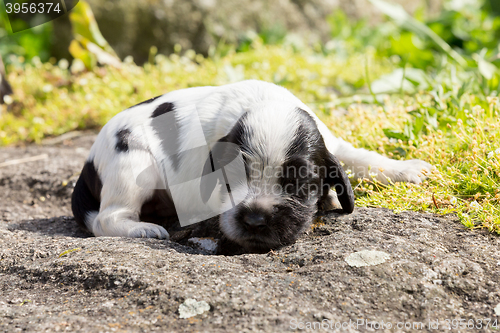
(132, 27)
(409, 79)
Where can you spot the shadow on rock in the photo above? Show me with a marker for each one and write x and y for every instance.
(60, 226)
(179, 236)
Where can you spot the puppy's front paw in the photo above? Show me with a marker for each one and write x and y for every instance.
(148, 230)
(411, 171)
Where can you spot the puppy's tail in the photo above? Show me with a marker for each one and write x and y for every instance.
(85, 201)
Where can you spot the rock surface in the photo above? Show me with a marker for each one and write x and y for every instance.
(54, 277)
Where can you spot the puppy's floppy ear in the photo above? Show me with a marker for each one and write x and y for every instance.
(221, 154)
(337, 178)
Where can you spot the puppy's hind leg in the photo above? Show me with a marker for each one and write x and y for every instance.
(122, 199)
(369, 164)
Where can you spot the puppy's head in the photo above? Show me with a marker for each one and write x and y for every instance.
(288, 170)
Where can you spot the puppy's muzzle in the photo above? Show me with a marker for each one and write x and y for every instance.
(254, 222)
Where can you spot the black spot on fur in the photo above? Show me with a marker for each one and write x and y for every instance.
(159, 209)
(86, 196)
(147, 101)
(162, 109)
(122, 140)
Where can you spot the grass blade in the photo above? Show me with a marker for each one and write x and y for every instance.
(397, 13)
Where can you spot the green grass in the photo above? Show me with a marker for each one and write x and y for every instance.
(467, 160)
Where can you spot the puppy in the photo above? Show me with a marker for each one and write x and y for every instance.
(249, 153)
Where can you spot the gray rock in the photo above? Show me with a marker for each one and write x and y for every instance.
(192, 307)
(437, 269)
(367, 258)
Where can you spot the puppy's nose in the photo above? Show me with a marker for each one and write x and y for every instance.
(254, 221)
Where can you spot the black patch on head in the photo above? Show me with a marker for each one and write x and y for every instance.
(86, 196)
(300, 178)
(307, 139)
(304, 155)
(162, 109)
(122, 137)
(147, 101)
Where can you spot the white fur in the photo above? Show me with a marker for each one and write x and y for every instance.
(218, 109)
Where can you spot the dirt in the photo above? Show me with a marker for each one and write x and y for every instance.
(56, 277)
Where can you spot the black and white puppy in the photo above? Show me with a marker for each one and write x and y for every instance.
(249, 152)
